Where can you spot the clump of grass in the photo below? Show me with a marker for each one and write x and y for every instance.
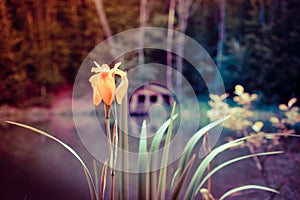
(152, 185)
(155, 184)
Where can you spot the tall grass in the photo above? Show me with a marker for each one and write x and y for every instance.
(156, 184)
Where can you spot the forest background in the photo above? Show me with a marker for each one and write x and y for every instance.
(255, 43)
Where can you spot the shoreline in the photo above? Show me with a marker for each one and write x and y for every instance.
(61, 104)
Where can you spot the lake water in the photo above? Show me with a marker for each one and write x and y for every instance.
(38, 168)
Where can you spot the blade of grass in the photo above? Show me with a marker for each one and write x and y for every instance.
(124, 178)
(91, 185)
(153, 157)
(163, 170)
(271, 135)
(160, 133)
(175, 177)
(181, 179)
(247, 187)
(103, 179)
(142, 163)
(221, 166)
(207, 149)
(96, 176)
(193, 141)
(113, 160)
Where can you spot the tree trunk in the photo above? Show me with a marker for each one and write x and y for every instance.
(222, 32)
(170, 43)
(104, 23)
(183, 10)
(262, 15)
(143, 22)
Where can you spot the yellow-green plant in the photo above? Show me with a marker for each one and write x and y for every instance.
(291, 115)
(242, 123)
(240, 115)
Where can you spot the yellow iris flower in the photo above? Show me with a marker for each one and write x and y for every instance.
(104, 86)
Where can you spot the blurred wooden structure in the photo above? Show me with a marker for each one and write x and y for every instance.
(144, 97)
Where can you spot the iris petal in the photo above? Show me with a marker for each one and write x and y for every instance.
(107, 86)
(121, 90)
(94, 80)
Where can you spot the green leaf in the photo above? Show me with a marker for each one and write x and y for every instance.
(103, 178)
(193, 141)
(91, 185)
(143, 183)
(247, 187)
(96, 176)
(221, 166)
(181, 179)
(153, 156)
(203, 165)
(143, 147)
(163, 170)
(160, 133)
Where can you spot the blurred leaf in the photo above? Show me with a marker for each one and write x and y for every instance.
(239, 89)
(257, 126)
(292, 101)
(274, 120)
(283, 107)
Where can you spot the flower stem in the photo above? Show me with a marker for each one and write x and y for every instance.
(114, 160)
(107, 109)
(124, 180)
(107, 123)
(112, 187)
(252, 151)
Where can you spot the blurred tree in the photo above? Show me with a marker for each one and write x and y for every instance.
(44, 43)
(13, 77)
(171, 21)
(259, 52)
(183, 12)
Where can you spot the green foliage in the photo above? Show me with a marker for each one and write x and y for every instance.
(162, 181)
(264, 48)
(43, 44)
